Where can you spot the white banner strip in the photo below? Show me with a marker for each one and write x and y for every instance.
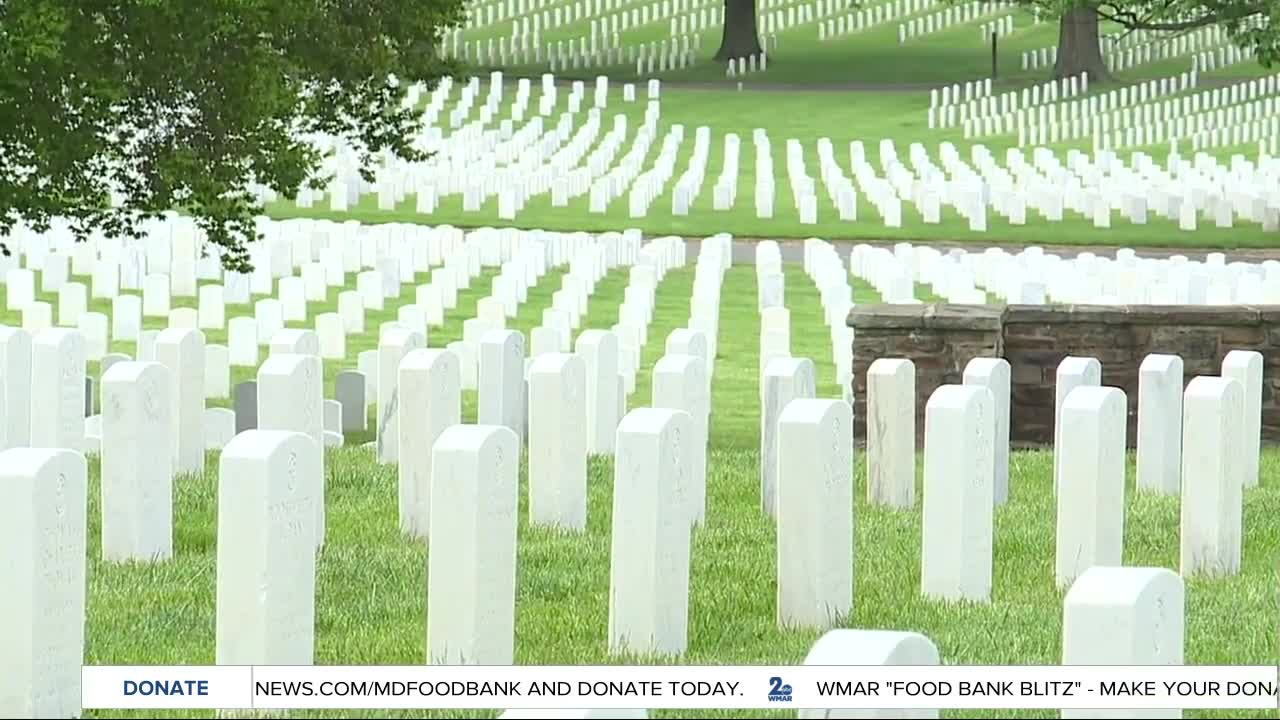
(701, 686)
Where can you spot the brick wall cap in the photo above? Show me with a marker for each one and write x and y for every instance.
(936, 316)
(1218, 315)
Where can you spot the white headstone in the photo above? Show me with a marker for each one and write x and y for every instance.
(394, 345)
(293, 341)
(785, 379)
(959, 501)
(471, 579)
(649, 560)
(557, 451)
(994, 374)
(15, 387)
(815, 513)
(43, 523)
(1073, 372)
(1245, 367)
(217, 372)
(1124, 616)
(219, 427)
(1160, 424)
(242, 341)
(1212, 476)
(332, 336)
(679, 383)
(870, 647)
(182, 352)
(430, 391)
(126, 317)
(891, 433)
(290, 398)
(212, 307)
(501, 380)
(57, 389)
(266, 566)
(1090, 524)
(599, 351)
(137, 470)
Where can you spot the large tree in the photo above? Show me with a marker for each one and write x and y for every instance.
(741, 37)
(1079, 49)
(182, 103)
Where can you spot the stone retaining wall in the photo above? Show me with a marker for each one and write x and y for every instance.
(941, 339)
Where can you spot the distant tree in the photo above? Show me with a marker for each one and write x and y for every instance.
(1079, 49)
(741, 36)
(181, 103)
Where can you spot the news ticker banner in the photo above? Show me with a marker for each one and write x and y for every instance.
(701, 686)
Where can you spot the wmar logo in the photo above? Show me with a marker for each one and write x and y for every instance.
(777, 691)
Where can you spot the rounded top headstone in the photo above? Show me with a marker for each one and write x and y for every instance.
(1094, 398)
(553, 363)
(872, 647)
(264, 444)
(478, 438)
(1156, 362)
(1123, 585)
(959, 397)
(430, 358)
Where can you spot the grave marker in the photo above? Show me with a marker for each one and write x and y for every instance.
(871, 647)
(815, 513)
(15, 387)
(43, 523)
(1090, 521)
(557, 456)
(394, 345)
(245, 404)
(649, 559)
(472, 575)
(1245, 367)
(599, 351)
(1159, 439)
(994, 374)
(57, 389)
(891, 433)
(785, 379)
(1073, 372)
(1123, 616)
(266, 559)
(1212, 474)
(290, 399)
(958, 497)
(136, 467)
(430, 389)
(182, 352)
(679, 383)
(349, 387)
(501, 380)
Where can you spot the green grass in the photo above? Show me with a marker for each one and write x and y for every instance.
(371, 584)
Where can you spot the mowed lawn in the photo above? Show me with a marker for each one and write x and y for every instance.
(858, 87)
(371, 591)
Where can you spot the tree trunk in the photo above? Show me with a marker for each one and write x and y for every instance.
(741, 37)
(1079, 49)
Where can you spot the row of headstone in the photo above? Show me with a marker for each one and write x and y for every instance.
(1202, 443)
(1139, 47)
(956, 15)
(265, 614)
(1031, 114)
(1034, 277)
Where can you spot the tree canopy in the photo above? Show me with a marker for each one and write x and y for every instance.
(1253, 24)
(183, 103)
